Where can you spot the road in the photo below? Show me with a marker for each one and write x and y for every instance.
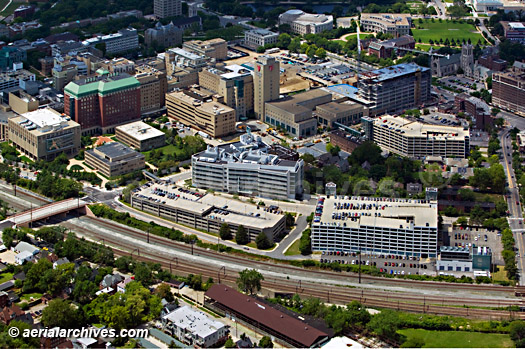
(442, 11)
(513, 200)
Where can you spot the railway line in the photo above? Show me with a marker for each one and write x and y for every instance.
(408, 295)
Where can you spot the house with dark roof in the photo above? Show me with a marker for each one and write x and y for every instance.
(285, 328)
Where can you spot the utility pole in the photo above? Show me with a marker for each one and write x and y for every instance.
(176, 260)
(359, 264)
(147, 235)
(31, 215)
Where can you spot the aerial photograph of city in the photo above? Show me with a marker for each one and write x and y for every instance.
(262, 174)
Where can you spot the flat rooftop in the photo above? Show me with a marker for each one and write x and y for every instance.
(44, 117)
(262, 32)
(394, 71)
(208, 106)
(238, 212)
(195, 322)
(388, 18)
(140, 130)
(419, 129)
(342, 89)
(379, 212)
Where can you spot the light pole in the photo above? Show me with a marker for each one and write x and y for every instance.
(223, 268)
(176, 261)
(359, 264)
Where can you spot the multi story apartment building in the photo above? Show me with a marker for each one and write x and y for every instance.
(508, 89)
(306, 23)
(10, 55)
(153, 88)
(208, 212)
(114, 159)
(234, 84)
(376, 225)
(140, 136)
(246, 167)
(182, 58)
(164, 35)
(102, 102)
(294, 114)
(397, 24)
(395, 88)
(259, 37)
(167, 8)
(67, 69)
(215, 48)
(123, 41)
(266, 83)
(202, 111)
(44, 134)
(417, 140)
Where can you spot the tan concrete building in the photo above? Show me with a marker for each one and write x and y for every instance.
(397, 24)
(140, 136)
(294, 114)
(114, 159)
(508, 89)
(204, 112)
(346, 113)
(44, 134)
(153, 88)
(266, 83)
(234, 84)
(21, 102)
(214, 48)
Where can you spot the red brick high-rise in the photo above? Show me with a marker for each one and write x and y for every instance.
(102, 102)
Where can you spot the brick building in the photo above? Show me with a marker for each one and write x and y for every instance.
(476, 108)
(508, 89)
(102, 102)
(384, 49)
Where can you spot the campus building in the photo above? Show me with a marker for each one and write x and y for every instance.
(194, 328)
(385, 49)
(123, 41)
(508, 89)
(397, 24)
(153, 88)
(395, 88)
(417, 140)
(163, 35)
(234, 84)
(215, 48)
(206, 211)
(294, 114)
(376, 225)
(259, 37)
(114, 159)
(102, 102)
(183, 58)
(266, 83)
(334, 114)
(247, 167)
(44, 134)
(202, 111)
(514, 31)
(167, 8)
(140, 136)
(306, 23)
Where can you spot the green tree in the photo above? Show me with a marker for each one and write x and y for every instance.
(262, 241)
(164, 291)
(265, 342)
(225, 232)
(143, 274)
(517, 333)
(385, 324)
(321, 53)
(305, 243)
(229, 343)
(61, 313)
(241, 237)
(249, 280)
(284, 41)
(84, 291)
(126, 193)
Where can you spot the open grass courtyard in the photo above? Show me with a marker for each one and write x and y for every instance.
(436, 30)
(459, 339)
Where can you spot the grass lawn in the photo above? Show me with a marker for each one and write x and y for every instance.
(5, 277)
(501, 274)
(423, 47)
(10, 9)
(445, 29)
(459, 339)
(293, 250)
(26, 160)
(167, 149)
(27, 296)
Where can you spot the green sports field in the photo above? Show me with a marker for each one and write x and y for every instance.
(458, 339)
(445, 29)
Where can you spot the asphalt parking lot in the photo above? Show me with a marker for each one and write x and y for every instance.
(389, 265)
(474, 237)
(461, 83)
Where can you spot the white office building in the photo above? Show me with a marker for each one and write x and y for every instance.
(306, 23)
(123, 41)
(376, 225)
(247, 168)
(195, 328)
(417, 140)
(259, 37)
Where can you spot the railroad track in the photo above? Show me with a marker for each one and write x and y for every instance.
(403, 300)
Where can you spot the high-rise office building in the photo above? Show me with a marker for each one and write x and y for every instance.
(266, 83)
(167, 8)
